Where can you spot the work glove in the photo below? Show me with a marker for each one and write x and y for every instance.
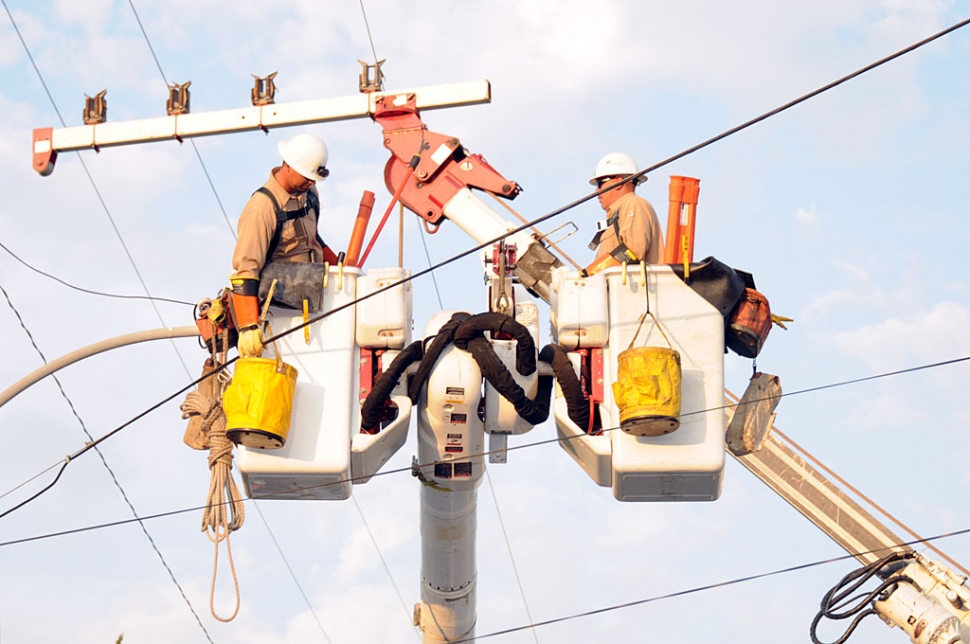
(250, 343)
(245, 304)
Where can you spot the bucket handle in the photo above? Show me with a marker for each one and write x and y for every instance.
(280, 367)
(646, 291)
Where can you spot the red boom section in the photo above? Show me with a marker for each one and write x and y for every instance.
(445, 166)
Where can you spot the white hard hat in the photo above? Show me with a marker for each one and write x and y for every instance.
(616, 164)
(306, 154)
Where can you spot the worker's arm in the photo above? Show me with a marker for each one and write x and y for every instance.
(257, 223)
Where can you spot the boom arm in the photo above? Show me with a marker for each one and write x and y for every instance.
(440, 187)
(931, 607)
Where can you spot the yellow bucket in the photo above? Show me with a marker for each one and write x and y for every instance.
(647, 391)
(258, 403)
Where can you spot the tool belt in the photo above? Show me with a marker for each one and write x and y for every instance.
(295, 282)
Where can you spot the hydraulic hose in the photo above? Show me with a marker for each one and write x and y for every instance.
(525, 351)
(534, 411)
(577, 403)
(441, 340)
(370, 412)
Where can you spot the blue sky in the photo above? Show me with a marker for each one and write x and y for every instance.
(850, 211)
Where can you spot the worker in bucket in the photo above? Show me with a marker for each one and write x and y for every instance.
(631, 231)
(278, 224)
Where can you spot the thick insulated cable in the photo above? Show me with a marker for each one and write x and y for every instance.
(370, 411)
(94, 349)
(525, 350)
(577, 402)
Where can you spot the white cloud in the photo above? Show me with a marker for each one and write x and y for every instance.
(919, 338)
(807, 216)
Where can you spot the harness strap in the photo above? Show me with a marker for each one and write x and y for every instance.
(282, 216)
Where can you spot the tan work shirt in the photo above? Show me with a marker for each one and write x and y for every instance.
(257, 225)
(639, 229)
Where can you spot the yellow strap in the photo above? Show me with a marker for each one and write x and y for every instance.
(306, 318)
(685, 249)
(326, 274)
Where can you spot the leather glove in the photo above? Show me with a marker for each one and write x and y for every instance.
(250, 343)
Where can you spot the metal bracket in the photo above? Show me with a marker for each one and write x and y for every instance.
(264, 91)
(178, 99)
(95, 109)
(498, 448)
(545, 238)
(367, 84)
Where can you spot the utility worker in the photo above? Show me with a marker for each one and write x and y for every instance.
(278, 224)
(631, 231)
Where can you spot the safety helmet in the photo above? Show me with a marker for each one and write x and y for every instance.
(616, 164)
(306, 154)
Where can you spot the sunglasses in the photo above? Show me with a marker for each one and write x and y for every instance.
(323, 172)
(602, 182)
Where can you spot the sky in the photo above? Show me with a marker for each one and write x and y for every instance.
(849, 210)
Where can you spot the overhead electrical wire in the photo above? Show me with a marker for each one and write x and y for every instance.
(94, 185)
(89, 291)
(399, 470)
(286, 562)
(198, 154)
(104, 462)
(699, 589)
(541, 219)
(387, 569)
(205, 170)
(369, 37)
(508, 546)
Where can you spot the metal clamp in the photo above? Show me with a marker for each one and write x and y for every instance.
(178, 99)
(96, 108)
(368, 84)
(264, 90)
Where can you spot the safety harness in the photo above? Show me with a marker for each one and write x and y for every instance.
(283, 216)
(621, 253)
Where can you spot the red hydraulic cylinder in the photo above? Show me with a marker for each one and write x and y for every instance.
(679, 244)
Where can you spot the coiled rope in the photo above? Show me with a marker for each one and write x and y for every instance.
(224, 512)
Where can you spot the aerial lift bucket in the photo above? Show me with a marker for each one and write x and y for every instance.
(259, 401)
(648, 390)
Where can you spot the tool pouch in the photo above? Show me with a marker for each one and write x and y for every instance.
(749, 324)
(194, 408)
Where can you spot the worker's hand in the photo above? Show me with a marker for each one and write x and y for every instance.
(250, 343)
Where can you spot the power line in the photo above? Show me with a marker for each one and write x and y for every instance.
(699, 589)
(541, 219)
(104, 462)
(508, 546)
(205, 170)
(89, 291)
(380, 554)
(801, 99)
(434, 278)
(399, 470)
(367, 25)
(97, 192)
(292, 574)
